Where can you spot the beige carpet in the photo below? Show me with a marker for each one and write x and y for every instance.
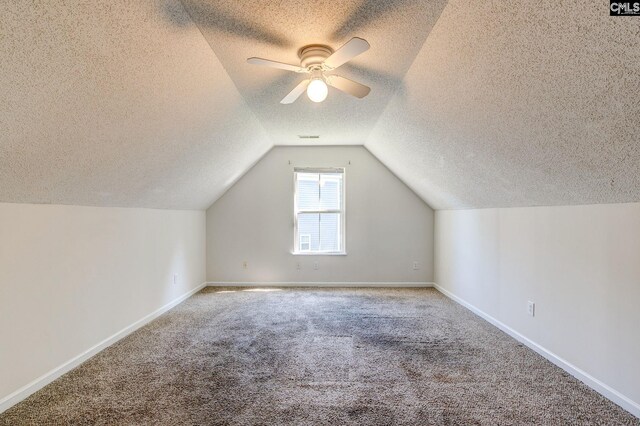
(317, 356)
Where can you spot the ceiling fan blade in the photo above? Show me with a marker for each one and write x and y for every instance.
(274, 64)
(351, 87)
(296, 92)
(350, 50)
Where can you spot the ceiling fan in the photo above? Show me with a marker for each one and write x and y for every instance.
(316, 59)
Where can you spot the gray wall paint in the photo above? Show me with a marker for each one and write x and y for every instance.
(579, 264)
(387, 225)
(71, 277)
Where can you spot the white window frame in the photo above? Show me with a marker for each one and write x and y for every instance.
(341, 211)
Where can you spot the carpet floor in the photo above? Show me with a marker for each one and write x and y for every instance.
(302, 356)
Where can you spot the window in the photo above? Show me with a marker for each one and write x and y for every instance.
(305, 242)
(319, 211)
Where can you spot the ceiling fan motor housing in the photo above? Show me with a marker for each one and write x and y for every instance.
(313, 55)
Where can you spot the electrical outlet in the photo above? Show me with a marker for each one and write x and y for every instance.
(531, 308)
(416, 266)
(298, 266)
(175, 279)
(315, 265)
(244, 264)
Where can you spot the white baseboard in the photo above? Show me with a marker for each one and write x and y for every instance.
(319, 284)
(595, 384)
(42, 381)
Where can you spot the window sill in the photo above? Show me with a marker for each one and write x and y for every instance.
(306, 253)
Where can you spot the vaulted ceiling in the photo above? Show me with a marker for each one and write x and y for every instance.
(237, 30)
(519, 104)
(107, 103)
(473, 103)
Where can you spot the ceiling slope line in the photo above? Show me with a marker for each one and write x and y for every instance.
(246, 104)
(395, 91)
(240, 176)
(387, 106)
(404, 182)
(253, 113)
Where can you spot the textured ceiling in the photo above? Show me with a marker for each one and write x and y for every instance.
(237, 30)
(473, 103)
(530, 103)
(104, 103)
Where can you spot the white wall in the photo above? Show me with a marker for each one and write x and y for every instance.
(387, 225)
(71, 277)
(580, 265)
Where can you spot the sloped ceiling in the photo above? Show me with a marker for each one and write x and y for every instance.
(473, 103)
(105, 103)
(277, 29)
(519, 104)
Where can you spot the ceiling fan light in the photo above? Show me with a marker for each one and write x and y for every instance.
(317, 90)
